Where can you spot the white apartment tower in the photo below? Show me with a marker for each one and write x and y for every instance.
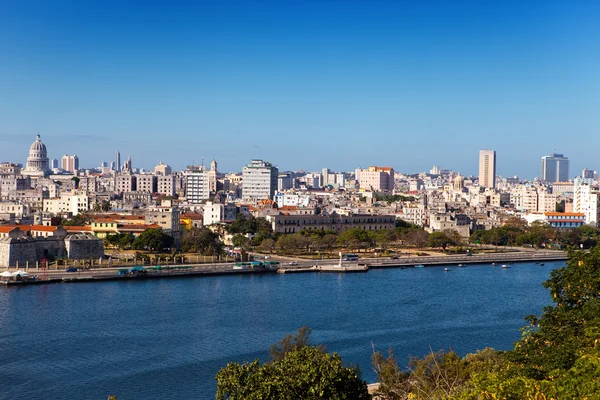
(487, 168)
(259, 181)
(197, 184)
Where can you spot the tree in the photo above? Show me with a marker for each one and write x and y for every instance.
(120, 240)
(267, 245)
(439, 239)
(302, 373)
(239, 240)
(291, 342)
(328, 241)
(82, 219)
(153, 240)
(416, 237)
(292, 243)
(202, 240)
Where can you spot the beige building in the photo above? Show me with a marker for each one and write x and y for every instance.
(487, 168)
(125, 183)
(162, 169)
(337, 223)
(165, 184)
(376, 179)
(70, 163)
(145, 183)
(167, 217)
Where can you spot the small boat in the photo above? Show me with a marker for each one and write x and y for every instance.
(494, 264)
(541, 264)
(461, 265)
(419, 266)
(447, 270)
(505, 266)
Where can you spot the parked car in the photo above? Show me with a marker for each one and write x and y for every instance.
(293, 263)
(71, 269)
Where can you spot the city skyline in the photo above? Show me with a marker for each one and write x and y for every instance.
(349, 84)
(493, 172)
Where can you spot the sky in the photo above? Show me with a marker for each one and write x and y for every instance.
(303, 84)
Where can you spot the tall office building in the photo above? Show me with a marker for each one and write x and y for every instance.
(118, 161)
(555, 168)
(197, 185)
(487, 168)
(70, 163)
(259, 181)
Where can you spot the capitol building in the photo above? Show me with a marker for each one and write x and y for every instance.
(38, 163)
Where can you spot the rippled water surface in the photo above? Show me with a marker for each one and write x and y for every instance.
(166, 339)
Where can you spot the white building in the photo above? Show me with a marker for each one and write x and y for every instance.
(75, 203)
(585, 200)
(197, 184)
(291, 200)
(259, 181)
(38, 163)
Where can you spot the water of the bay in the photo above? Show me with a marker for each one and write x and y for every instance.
(166, 339)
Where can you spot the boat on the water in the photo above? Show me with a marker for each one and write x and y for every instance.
(461, 265)
(494, 264)
(447, 270)
(505, 266)
(419, 266)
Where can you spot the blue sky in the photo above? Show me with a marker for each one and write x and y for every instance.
(304, 84)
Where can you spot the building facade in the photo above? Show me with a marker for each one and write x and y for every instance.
(555, 168)
(259, 181)
(487, 168)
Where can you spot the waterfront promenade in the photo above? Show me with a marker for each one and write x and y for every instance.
(198, 270)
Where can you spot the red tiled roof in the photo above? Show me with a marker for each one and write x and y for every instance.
(104, 220)
(7, 228)
(564, 214)
(77, 228)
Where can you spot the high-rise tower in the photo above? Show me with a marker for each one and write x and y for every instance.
(555, 168)
(118, 161)
(487, 168)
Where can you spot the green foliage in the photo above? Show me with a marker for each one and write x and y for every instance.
(153, 240)
(356, 238)
(292, 243)
(554, 342)
(119, 240)
(291, 342)
(245, 225)
(392, 198)
(438, 375)
(303, 373)
(440, 239)
(203, 241)
(82, 219)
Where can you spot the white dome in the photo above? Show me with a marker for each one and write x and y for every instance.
(38, 163)
(37, 146)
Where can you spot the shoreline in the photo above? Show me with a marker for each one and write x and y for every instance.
(103, 275)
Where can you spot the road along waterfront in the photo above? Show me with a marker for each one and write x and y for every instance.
(198, 270)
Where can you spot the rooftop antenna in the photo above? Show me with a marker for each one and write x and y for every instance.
(202, 162)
